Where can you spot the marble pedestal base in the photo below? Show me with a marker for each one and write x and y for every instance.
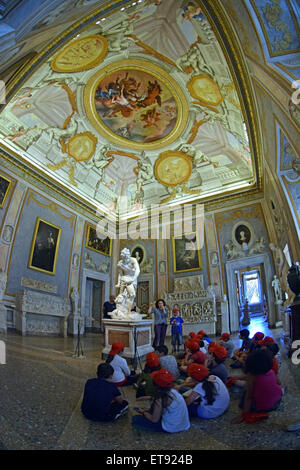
(136, 336)
(278, 319)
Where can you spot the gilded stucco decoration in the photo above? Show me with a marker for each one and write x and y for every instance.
(108, 110)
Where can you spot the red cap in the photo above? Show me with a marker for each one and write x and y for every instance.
(175, 310)
(163, 378)
(202, 333)
(197, 371)
(258, 336)
(192, 345)
(152, 360)
(225, 336)
(192, 334)
(220, 351)
(212, 345)
(199, 357)
(268, 339)
(116, 347)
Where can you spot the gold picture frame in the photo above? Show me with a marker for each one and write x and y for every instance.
(97, 244)
(5, 185)
(44, 247)
(142, 71)
(186, 253)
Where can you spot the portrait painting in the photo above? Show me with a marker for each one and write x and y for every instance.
(242, 234)
(138, 253)
(44, 247)
(5, 185)
(186, 253)
(93, 242)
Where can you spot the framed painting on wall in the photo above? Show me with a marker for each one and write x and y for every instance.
(93, 242)
(5, 185)
(186, 253)
(44, 247)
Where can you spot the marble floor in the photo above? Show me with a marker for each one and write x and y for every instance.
(41, 388)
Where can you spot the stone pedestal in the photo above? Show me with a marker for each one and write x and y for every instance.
(225, 316)
(136, 336)
(278, 319)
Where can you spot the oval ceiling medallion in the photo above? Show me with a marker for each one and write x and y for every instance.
(173, 168)
(136, 104)
(81, 54)
(206, 90)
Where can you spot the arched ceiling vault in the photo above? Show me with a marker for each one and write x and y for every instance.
(138, 103)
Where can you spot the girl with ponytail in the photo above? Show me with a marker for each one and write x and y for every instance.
(209, 398)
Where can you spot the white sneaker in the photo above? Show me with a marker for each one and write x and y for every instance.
(294, 427)
(121, 412)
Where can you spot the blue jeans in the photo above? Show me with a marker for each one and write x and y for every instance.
(176, 339)
(141, 421)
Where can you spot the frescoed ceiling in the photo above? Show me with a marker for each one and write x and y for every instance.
(279, 21)
(138, 108)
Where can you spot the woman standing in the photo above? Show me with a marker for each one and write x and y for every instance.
(160, 321)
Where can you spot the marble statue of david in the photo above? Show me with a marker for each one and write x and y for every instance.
(128, 272)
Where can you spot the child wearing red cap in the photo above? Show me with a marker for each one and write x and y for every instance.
(176, 330)
(194, 355)
(227, 343)
(215, 363)
(144, 385)
(256, 341)
(262, 391)
(122, 375)
(168, 411)
(209, 398)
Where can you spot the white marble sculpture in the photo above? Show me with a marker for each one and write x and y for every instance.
(74, 297)
(128, 272)
(277, 289)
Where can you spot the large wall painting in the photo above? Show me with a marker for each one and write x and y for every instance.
(44, 248)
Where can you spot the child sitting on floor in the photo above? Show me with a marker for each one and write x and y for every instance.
(262, 391)
(102, 400)
(193, 355)
(215, 363)
(122, 375)
(240, 355)
(227, 343)
(209, 398)
(168, 411)
(144, 385)
(167, 361)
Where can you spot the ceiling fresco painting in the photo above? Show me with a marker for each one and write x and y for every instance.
(279, 25)
(140, 104)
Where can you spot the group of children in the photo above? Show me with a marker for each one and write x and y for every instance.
(193, 384)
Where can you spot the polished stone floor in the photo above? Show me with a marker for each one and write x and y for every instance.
(41, 388)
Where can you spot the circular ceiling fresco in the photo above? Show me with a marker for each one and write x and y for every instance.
(138, 105)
